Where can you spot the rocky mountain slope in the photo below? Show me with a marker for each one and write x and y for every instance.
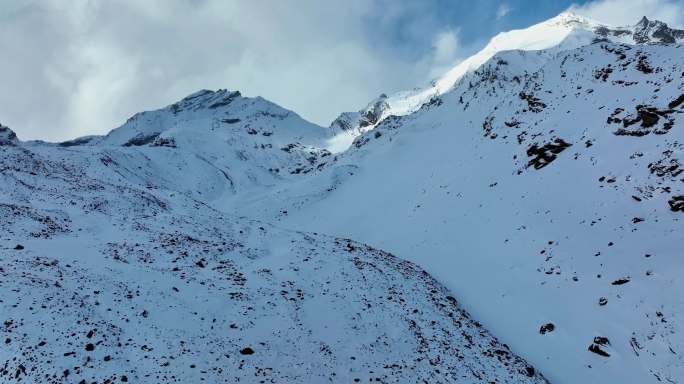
(563, 32)
(115, 268)
(540, 182)
(546, 191)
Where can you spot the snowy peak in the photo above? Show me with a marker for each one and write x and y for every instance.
(206, 99)
(232, 144)
(561, 33)
(214, 113)
(543, 176)
(364, 119)
(654, 31)
(7, 136)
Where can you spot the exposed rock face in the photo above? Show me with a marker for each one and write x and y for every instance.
(677, 203)
(7, 136)
(363, 120)
(654, 31)
(543, 155)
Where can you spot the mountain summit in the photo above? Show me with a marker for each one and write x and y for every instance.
(563, 32)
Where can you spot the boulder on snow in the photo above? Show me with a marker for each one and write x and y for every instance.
(677, 203)
(543, 155)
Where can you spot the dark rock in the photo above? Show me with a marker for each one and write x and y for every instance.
(226, 100)
(677, 203)
(548, 327)
(7, 136)
(76, 142)
(247, 351)
(676, 102)
(643, 65)
(140, 140)
(529, 371)
(649, 117)
(169, 142)
(597, 350)
(541, 156)
(534, 104)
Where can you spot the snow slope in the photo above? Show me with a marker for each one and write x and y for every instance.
(546, 187)
(115, 268)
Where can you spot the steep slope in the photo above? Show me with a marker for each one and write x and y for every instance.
(545, 188)
(108, 276)
(565, 31)
(234, 145)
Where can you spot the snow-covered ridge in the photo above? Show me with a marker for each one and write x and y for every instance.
(563, 32)
(543, 188)
(233, 144)
(547, 190)
(210, 112)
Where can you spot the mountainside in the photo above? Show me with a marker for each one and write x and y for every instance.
(224, 238)
(563, 32)
(108, 278)
(232, 144)
(545, 188)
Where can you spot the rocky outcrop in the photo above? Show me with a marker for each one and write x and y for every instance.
(7, 136)
(654, 31)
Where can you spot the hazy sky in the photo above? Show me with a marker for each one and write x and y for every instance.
(78, 67)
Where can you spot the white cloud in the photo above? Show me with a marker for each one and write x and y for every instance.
(445, 53)
(628, 12)
(503, 10)
(83, 67)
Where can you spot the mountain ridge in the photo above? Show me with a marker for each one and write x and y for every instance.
(544, 190)
(544, 35)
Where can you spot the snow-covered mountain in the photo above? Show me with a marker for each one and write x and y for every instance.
(544, 188)
(225, 239)
(563, 32)
(112, 272)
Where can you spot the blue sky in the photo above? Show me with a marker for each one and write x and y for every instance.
(82, 67)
